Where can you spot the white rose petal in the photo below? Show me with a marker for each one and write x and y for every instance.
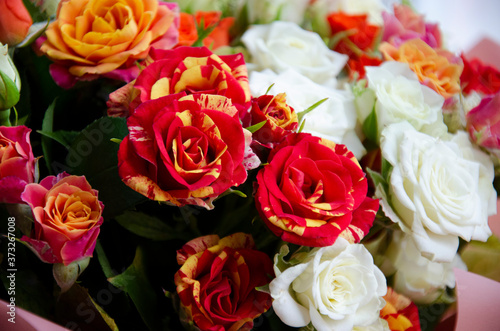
(416, 277)
(284, 305)
(400, 97)
(285, 45)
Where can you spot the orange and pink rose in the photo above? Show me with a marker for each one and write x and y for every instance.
(183, 149)
(104, 37)
(67, 215)
(313, 191)
(218, 279)
(436, 68)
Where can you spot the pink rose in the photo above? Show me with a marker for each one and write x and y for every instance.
(17, 163)
(483, 123)
(405, 24)
(67, 216)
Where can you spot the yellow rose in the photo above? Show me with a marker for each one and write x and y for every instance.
(96, 37)
(435, 68)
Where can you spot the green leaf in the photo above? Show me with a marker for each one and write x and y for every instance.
(386, 169)
(103, 260)
(47, 127)
(301, 115)
(279, 259)
(93, 154)
(65, 138)
(376, 177)
(256, 127)
(135, 282)
(370, 127)
(203, 32)
(35, 31)
(148, 226)
(269, 89)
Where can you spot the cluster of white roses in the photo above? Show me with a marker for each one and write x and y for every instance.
(435, 185)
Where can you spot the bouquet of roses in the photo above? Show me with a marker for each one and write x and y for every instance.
(229, 165)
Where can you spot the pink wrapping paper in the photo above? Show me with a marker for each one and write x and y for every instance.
(24, 320)
(478, 302)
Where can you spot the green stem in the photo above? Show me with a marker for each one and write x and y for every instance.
(103, 260)
(5, 117)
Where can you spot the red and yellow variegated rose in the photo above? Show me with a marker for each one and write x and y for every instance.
(218, 279)
(67, 215)
(280, 118)
(438, 69)
(17, 163)
(313, 191)
(192, 70)
(183, 149)
(107, 37)
(400, 312)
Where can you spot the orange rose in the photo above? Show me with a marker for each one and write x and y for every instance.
(218, 36)
(15, 22)
(438, 69)
(96, 37)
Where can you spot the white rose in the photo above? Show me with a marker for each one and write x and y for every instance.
(416, 277)
(267, 11)
(335, 119)
(334, 287)
(285, 45)
(438, 190)
(400, 96)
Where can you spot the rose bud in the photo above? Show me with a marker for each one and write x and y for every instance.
(15, 22)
